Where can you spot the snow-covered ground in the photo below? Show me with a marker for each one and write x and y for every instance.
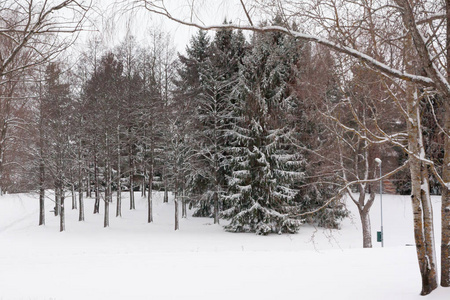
(135, 260)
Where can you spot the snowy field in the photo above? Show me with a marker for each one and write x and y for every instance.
(135, 260)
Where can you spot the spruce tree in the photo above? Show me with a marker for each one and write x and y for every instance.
(265, 167)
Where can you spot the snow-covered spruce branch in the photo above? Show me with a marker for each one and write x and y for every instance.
(340, 193)
(426, 81)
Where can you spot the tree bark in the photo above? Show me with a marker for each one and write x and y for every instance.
(41, 205)
(364, 209)
(62, 221)
(216, 207)
(119, 176)
(445, 205)
(143, 193)
(421, 201)
(96, 187)
(106, 219)
(88, 184)
(57, 200)
(80, 194)
(149, 195)
(183, 205)
(177, 217)
(366, 229)
(81, 204)
(108, 177)
(74, 198)
(132, 205)
(41, 190)
(166, 193)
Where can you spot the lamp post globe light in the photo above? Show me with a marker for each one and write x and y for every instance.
(381, 236)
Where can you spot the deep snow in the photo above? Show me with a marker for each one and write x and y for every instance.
(135, 260)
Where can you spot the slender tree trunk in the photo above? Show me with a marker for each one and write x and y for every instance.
(106, 219)
(108, 177)
(119, 205)
(41, 161)
(143, 194)
(149, 195)
(57, 200)
(74, 198)
(62, 221)
(80, 192)
(366, 229)
(216, 207)
(81, 204)
(119, 176)
(96, 187)
(364, 209)
(89, 187)
(445, 205)
(216, 170)
(421, 201)
(166, 193)
(183, 205)
(41, 206)
(132, 205)
(41, 191)
(1, 169)
(177, 217)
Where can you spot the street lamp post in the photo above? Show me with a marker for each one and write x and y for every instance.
(378, 161)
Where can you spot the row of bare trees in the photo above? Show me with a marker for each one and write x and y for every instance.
(97, 130)
(86, 127)
(31, 33)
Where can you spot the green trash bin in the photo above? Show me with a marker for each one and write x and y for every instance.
(379, 236)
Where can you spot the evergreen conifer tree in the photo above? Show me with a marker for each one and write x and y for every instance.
(265, 167)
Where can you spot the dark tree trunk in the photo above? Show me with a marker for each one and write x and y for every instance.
(166, 193)
(80, 188)
(119, 176)
(41, 206)
(177, 217)
(149, 195)
(74, 198)
(445, 205)
(89, 187)
(132, 204)
(81, 204)
(57, 200)
(106, 220)
(41, 192)
(62, 221)
(143, 193)
(216, 208)
(183, 205)
(96, 187)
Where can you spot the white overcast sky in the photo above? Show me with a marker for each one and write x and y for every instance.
(140, 21)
